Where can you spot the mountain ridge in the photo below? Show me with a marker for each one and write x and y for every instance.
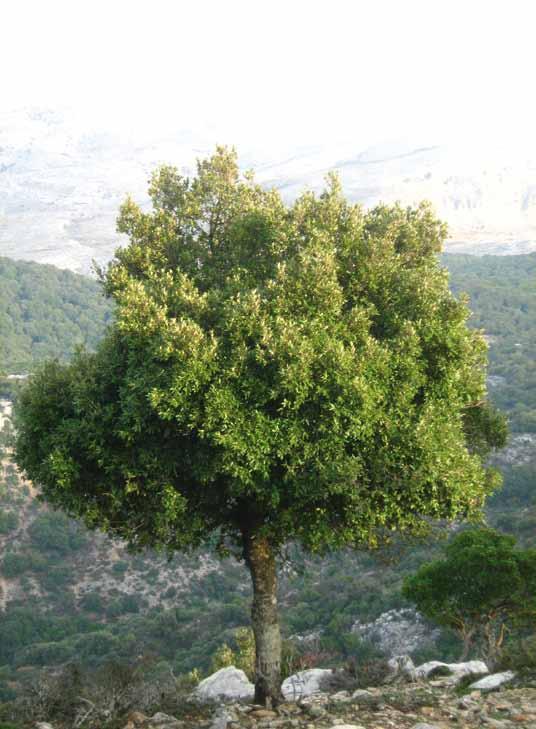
(62, 180)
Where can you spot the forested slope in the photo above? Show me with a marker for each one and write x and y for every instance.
(66, 595)
(502, 294)
(46, 312)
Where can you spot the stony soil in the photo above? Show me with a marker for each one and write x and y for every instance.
(435, 705)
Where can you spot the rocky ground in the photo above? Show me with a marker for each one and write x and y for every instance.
(411, 698)
(415, 706)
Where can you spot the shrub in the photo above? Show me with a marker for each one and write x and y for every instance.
(92, 602)
(9, 521)
(55, 532)
(16, 563)
(119, 568)
(242, 656)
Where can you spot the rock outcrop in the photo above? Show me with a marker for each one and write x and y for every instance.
(454, 671)
(227, 684)
(305, 683)
(493, 682)
(397, 632)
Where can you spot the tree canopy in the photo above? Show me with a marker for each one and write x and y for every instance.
(273, 373)
(480, 586)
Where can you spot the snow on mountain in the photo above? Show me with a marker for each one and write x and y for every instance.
(62, 180)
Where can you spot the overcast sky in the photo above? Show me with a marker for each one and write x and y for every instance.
(300, 71)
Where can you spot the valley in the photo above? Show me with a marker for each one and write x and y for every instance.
(70, 595)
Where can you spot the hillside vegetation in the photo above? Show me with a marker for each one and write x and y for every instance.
(68, 595)
(46, 312)
(502, 293)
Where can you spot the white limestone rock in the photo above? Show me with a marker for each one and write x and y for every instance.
(401, 667)
(304, 683)
(397, 632)
(455, 671)
(227, 684)
(163, 721)
(493, 681)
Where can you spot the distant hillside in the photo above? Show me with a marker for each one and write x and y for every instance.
(502, 297)
(62, 180)
(46, 312)
(68, 595)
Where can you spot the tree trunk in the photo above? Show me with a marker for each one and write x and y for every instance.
(467, 635)
(494, 633)
(260, 559)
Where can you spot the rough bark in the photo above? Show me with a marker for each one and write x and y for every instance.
(260, 559)
(467, 635)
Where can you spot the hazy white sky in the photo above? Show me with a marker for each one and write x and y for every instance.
(294, 71)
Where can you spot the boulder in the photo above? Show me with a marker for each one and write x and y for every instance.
(221, 718)
(401, 667)
(362, 695)
(163, 721)
(227, 684)
(398, 632)
(137, 720)
(493, 681)
(305, 683)
(455, 671)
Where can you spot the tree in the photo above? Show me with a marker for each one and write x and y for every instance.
(273, 373)
(483, 584)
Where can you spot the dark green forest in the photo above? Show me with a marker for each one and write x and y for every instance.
(502, 295)
(46, 312)
(51, 621)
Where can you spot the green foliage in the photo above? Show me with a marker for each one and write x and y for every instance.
(8, 521)
(55, 532)
(520, 654)
(119, 568)
(15, 563)
(92, 602)
(502, 292)
(46, 312)
(242, 656)
(308, 363)
(481, 585)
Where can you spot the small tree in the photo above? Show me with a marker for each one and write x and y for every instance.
(273, 373)
(482, 585)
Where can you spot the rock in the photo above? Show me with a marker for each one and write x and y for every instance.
(227, 684)
(362, 694)
(221, 719)
(425, 669)
(43, 725)
(163, 721)
(316, 711)
(493, 681)
(456, 671)
(341, 696)
(287, 709)
(263, 714)
(319, 699)
(350, 726)
(424, 725)
(495, 723)
(137, 718)
(305, 683)
(466, 703)
(397, 632)
(401, 667)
